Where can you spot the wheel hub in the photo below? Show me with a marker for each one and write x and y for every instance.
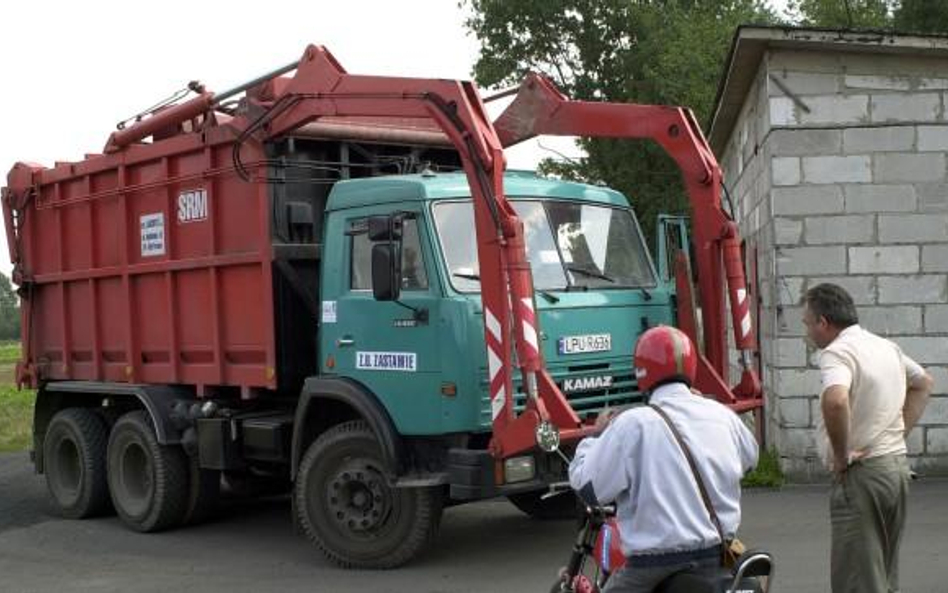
(358, 497)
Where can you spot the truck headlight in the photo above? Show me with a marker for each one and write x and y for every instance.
(519, 469)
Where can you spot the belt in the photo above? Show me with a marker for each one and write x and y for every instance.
(672, 558)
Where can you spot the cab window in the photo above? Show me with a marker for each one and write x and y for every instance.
(414, 276)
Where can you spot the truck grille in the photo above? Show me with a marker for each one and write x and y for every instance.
(622, 391)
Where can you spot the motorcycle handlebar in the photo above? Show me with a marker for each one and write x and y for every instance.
(556, 488)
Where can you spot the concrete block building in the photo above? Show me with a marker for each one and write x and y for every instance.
(834, 147)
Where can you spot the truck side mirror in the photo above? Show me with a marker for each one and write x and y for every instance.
(386, 271)
(385, 232)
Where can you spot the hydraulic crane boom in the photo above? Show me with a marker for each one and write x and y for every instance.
(540, 108)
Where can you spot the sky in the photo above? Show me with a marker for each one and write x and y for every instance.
(71, 70)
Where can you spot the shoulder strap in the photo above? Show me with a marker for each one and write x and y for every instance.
(694, 470)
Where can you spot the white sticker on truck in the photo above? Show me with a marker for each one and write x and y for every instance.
(329, 312)
(387, 361)
(192, 205)
(153, 234)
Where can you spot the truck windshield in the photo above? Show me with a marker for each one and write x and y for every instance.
(568, 245)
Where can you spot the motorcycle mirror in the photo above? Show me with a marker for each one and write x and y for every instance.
(548, 436)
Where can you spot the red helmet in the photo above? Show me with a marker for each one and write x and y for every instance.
(664, 354)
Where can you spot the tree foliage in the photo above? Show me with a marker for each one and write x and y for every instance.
(9, 311)
(905, 16)
(844, 14)
(921, 16)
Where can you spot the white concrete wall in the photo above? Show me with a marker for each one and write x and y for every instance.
(846, 182)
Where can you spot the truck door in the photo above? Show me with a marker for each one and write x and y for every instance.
(672, 238)
(388, 346)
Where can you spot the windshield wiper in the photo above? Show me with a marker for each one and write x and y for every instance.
(467, 276)
(593, 274)
(590, 273)
(547, 295)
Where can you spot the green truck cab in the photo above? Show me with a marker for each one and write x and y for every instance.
(424, 356)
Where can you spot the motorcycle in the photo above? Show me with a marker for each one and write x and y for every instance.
(597, 540)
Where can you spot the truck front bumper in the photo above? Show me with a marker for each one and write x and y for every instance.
(477, 475)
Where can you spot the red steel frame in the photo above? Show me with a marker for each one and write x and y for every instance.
(321, 87)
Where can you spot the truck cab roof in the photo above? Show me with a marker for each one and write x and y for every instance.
(369, 191)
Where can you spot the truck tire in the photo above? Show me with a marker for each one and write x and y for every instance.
(560, 507)
(74, 450)
(148, 481)
(345, 506)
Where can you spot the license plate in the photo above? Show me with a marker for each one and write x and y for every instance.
(584, 344)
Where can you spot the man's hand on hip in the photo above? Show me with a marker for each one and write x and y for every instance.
(840, 465)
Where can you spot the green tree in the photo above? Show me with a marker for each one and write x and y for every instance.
(9, 310)
(668, 52)
(922, 16)
(905, 16)
(844, 14)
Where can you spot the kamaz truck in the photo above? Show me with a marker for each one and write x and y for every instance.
(330, 282)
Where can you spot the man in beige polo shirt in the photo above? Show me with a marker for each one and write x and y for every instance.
(872, 396)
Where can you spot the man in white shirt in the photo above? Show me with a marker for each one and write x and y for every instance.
(637, 463)
(872, 396)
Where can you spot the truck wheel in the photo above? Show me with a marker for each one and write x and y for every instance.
(344, 504)
(74, 453)
(562, 506)
(148, 481)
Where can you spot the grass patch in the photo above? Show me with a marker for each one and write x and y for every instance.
(9, 353)
(16, 407)
(767, 474)
(16, 418)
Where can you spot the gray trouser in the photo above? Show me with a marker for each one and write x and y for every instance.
(629, 579)
(867, 512)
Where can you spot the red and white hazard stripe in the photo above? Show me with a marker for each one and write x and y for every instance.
(498, 392)
(746, 317)
(528, 318)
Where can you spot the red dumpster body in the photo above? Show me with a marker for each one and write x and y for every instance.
(150, 266)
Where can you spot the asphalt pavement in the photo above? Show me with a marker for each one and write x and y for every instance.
(482, 547)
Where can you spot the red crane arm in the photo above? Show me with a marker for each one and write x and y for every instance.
(540, 108)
